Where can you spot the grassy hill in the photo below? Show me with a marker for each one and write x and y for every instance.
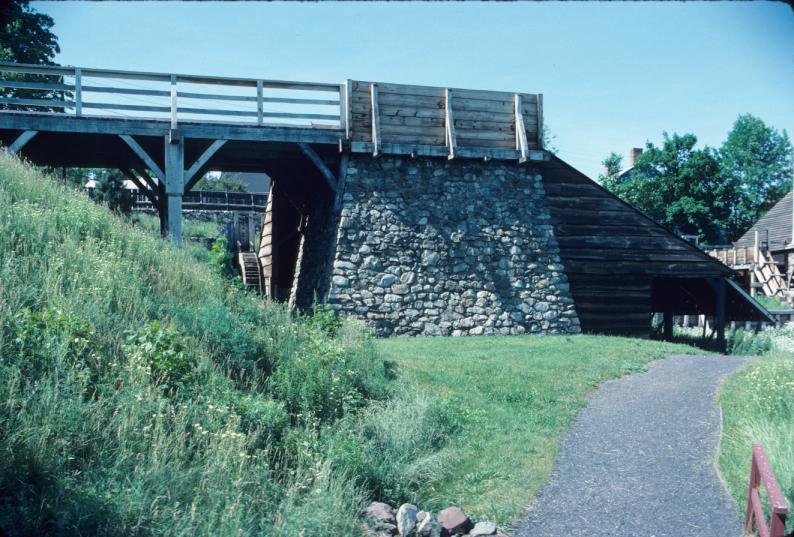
(141, 394)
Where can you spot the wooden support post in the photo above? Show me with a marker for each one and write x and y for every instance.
(668, 324)
(521, 131)
(21, 140)
(78, 91)
(260, 90)
(449, 122)
(376, 143)
(719, 316)
(174, 187)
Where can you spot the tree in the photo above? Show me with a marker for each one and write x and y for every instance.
(548, 140)
(758, 159)
(110, 190)
(680, 187)
(225, 182)
(25, 37)
(613, 165)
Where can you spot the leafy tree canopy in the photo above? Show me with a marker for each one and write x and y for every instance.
(759, 159)
(225, 182)
(678, 186)
(715, 194)
(26, 37)
(613, 167)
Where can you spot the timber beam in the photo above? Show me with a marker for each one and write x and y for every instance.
(21, 140)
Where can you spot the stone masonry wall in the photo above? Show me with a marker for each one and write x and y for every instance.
(427, 246)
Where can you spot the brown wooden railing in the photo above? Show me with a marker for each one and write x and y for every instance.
(83, 91)
(761, 472)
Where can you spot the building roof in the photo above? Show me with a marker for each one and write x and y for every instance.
(777, 221)
(620, 262)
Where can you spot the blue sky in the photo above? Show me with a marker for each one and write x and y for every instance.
(613, 75)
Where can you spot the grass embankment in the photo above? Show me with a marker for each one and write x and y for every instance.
(758, 408)
(516, 396)
(141, 394)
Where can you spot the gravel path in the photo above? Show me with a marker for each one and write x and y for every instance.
(639, 459)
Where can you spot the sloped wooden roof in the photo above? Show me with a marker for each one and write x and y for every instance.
(777, 221)
(612, 252)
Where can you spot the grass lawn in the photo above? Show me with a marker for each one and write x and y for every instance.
(517, 396)
(758, 408)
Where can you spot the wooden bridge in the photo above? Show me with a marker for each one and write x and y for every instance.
(164, 131)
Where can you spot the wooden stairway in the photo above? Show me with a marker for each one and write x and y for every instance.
(769, 279)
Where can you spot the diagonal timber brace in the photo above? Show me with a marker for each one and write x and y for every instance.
(192, 175)
(144, 156)
(21, 140)
(327, 174)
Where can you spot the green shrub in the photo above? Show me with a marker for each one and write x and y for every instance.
(163, 353)
(325, 319)
(748, 343)
(34, 340)
(395, 445)
(221, 259)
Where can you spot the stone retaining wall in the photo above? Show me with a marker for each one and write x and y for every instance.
(428, 246)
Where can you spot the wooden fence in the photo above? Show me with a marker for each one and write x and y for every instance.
(399, 115)
(761, 472)
(173, 97)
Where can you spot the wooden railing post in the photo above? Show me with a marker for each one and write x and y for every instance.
(348, 109)
(78, 91)
(342, 108)
(540, 120)
(375, 120)
(173, 103)
(761, 472)
(521, 132)
(260, 89)
(449, 123)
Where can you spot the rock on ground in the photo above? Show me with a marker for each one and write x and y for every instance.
(406, 519)
(453, 520)
(483, 528)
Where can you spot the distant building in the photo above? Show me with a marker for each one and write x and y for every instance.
(257, 182)
(774, 228)
(633, 155)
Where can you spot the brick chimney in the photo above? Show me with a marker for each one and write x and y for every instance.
(635, 152)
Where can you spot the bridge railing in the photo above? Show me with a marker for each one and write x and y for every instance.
(207, 200)
(170, 97)
(761, 472)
